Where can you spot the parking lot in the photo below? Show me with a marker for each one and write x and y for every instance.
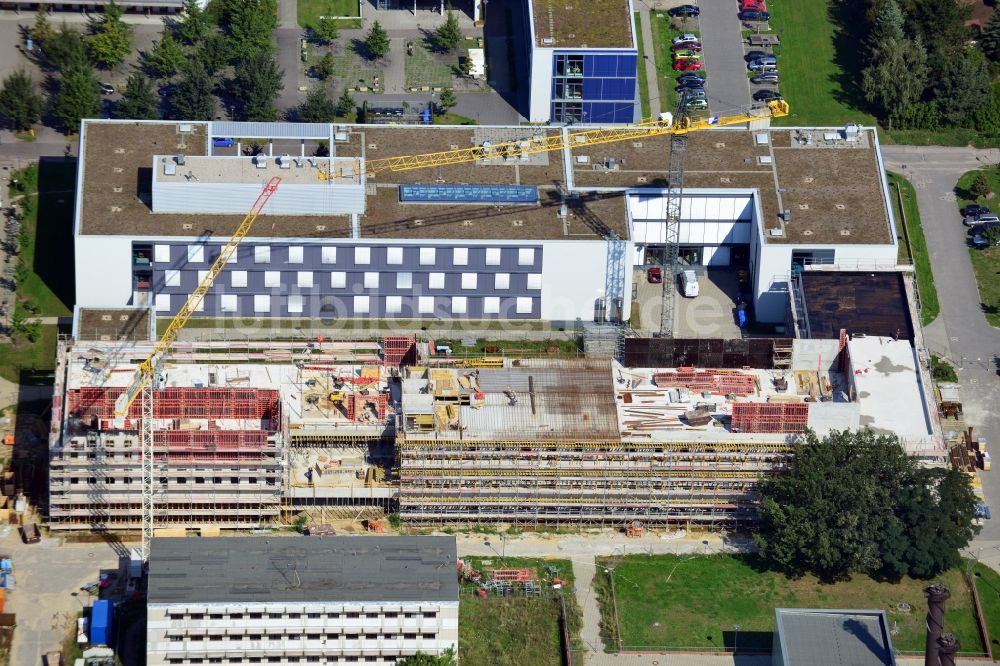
(712, 314)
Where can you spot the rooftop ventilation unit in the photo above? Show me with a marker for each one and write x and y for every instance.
(185, 128)
(260, 161)
(179, 159)
(284, 161)
(786, 215)
(169, 168)
(548, 41)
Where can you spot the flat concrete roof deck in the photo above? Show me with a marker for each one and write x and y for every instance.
(242, 169)
(582, 23)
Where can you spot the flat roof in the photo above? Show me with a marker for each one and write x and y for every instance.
(833, 637)
(114, 324)
(889, 388)
(866, 303)
(243, 169)
(582, 23)
(317, 569)
(833, 191)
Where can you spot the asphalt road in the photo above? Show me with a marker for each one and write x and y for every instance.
(726, 87)
(960, 333)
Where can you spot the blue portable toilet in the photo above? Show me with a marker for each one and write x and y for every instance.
(741, 317)
(427, 115)
(100, 622)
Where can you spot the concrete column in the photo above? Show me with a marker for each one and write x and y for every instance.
(948, 647)
(937, 594)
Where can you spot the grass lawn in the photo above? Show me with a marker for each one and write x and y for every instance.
(452, 119)
(643, 80)
(693, 602)
(427, 68)
(515, 631)
(985, 262)
(22, 359)
(309, 11)
(45, 199)
(819, 63)
(988, 586)
(929, 305)
(666, 78)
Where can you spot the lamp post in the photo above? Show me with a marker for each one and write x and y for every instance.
(736, 637)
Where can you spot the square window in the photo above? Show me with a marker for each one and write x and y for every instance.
(228, 303)
(459, 305)
(524, 305)
(305, 279)
(295, 304)
(161, 254)
(238, 278)
(201, 305)
(272, 279)
(491, 305)
(534, 280)
(404, 280)
(196, 253)
(362, 256)
(501, 281)
(163, 302)
(469, 280)
(394, 256)
(172, 278)
(338, 280)
(361, 304)
(435, 280)
(428, 256)
(460, 256)
(492, 256)
(526, 256)
(295, 254)
(371, 280)
(425, 305)
(262, 254)
(393, 304)
(261, 303)
(201, 276)
(329, 255)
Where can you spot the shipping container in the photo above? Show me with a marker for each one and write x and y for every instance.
(100, 622)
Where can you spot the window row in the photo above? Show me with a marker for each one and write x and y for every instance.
(325, 636)
(394, 256)
(332, 615)
(369, 279)
(309, 659)
(358, 305)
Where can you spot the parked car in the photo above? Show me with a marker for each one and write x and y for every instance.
(687, 65)
(681, 87)
(690, 55)
(983, 218)
(763, 65)
(700, 78)
(766, 95)
(754, 15)
(700, 103)
(686, 37)
(684, 11)
(107, 88)
(689, 284)
(755, 55)
(753, 5)
(223, 142)
(975, 209)
(686, 46)
(768, 77)
(655, 275)
(980, 229)
(979, 240)
(168, 89)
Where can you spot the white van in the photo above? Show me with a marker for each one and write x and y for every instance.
(689, 284)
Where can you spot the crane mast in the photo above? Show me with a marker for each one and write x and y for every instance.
(677, 125)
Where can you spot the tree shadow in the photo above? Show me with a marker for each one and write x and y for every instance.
(360, 49)
(849, 57)
(53, 259)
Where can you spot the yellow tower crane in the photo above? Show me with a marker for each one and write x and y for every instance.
(143, 380)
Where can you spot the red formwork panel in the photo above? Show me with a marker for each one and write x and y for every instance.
(180, 403)
(356, 402)
(399, 351)
(708, 380)
(209, 440)
(762, 417)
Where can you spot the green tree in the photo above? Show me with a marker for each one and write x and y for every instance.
(65, 49)
(922, 116)
(449, 34)
(256, 83)
(193, 99)
(989, 41)
(249, 25)
(980, 186)
(166, 58)
(895, 78)
(42, 29)
(213, 52)
(421, 659)
(111, 38)
(326, 66)
(963, 86)
(941, 26)
(991, 235)
(447, 101)
(465, 66)
(317, 106)
(193, 25)
(21, 104)
(77, 98)
(326, 31)
(377, 41)
(346, 104)
(138, 101)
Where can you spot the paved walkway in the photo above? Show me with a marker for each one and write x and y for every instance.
(288, 14)
(287, 37)
(961, 332)
(394, 67)
(585, 569)
(649, 53)
(727, 87)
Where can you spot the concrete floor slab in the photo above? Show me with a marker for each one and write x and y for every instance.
(712, 314)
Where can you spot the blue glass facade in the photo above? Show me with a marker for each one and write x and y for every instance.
(594, 87)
